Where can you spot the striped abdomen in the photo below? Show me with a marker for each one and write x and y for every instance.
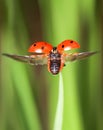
(54, 63)
(54, 66)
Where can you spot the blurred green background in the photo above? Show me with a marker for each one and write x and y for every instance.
(28, 94)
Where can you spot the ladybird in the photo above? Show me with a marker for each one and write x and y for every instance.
(43, 53)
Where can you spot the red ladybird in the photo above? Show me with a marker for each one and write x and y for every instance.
(54, 57)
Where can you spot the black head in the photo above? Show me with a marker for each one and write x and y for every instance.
(54, 48)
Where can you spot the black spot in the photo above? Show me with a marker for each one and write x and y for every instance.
(34, 44)
(62, 46)
(42, 47)
(71, 41)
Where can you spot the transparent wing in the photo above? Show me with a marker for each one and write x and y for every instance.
(78, 56)
(32, 59)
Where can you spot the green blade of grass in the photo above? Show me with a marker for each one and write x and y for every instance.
(59, 110)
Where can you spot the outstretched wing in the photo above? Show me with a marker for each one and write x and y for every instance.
(78, 56)
(32, 59)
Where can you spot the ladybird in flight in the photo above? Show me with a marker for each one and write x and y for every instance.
(43, 53)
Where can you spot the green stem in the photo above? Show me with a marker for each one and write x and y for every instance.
(59, 110)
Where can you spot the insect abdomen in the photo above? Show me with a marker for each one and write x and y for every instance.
(55, 66)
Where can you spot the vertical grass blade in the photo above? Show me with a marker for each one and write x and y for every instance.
(59, 110)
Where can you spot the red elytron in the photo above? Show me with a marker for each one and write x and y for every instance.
(43, 53)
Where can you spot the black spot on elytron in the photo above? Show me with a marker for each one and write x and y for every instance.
(34, 44)
(42, 47)
(71, 41)
(62, 46)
